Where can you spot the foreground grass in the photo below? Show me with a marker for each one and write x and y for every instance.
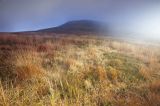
(69, 71)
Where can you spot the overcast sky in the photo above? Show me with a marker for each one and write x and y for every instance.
(137, 16)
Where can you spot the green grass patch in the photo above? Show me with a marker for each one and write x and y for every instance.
(128, 66)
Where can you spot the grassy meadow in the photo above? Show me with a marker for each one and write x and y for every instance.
(78, 71)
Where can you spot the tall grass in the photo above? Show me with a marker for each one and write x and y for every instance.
(76, 71)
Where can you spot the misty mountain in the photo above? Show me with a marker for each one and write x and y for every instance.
(79, 27)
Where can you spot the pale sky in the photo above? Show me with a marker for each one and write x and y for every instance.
(135, 16)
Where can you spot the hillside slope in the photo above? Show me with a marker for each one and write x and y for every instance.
(79, 27)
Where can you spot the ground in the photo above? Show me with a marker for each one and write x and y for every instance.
(78, 71)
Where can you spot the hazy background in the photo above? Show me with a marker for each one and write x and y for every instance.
(135, 17)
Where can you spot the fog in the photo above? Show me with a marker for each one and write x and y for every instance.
(135, 17)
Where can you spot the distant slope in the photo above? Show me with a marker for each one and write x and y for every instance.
(79, 27)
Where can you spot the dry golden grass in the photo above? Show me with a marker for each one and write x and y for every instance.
(77, 70)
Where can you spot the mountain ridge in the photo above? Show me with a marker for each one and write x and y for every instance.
(78, 27)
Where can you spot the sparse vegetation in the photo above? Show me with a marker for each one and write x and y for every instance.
(77, 71)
